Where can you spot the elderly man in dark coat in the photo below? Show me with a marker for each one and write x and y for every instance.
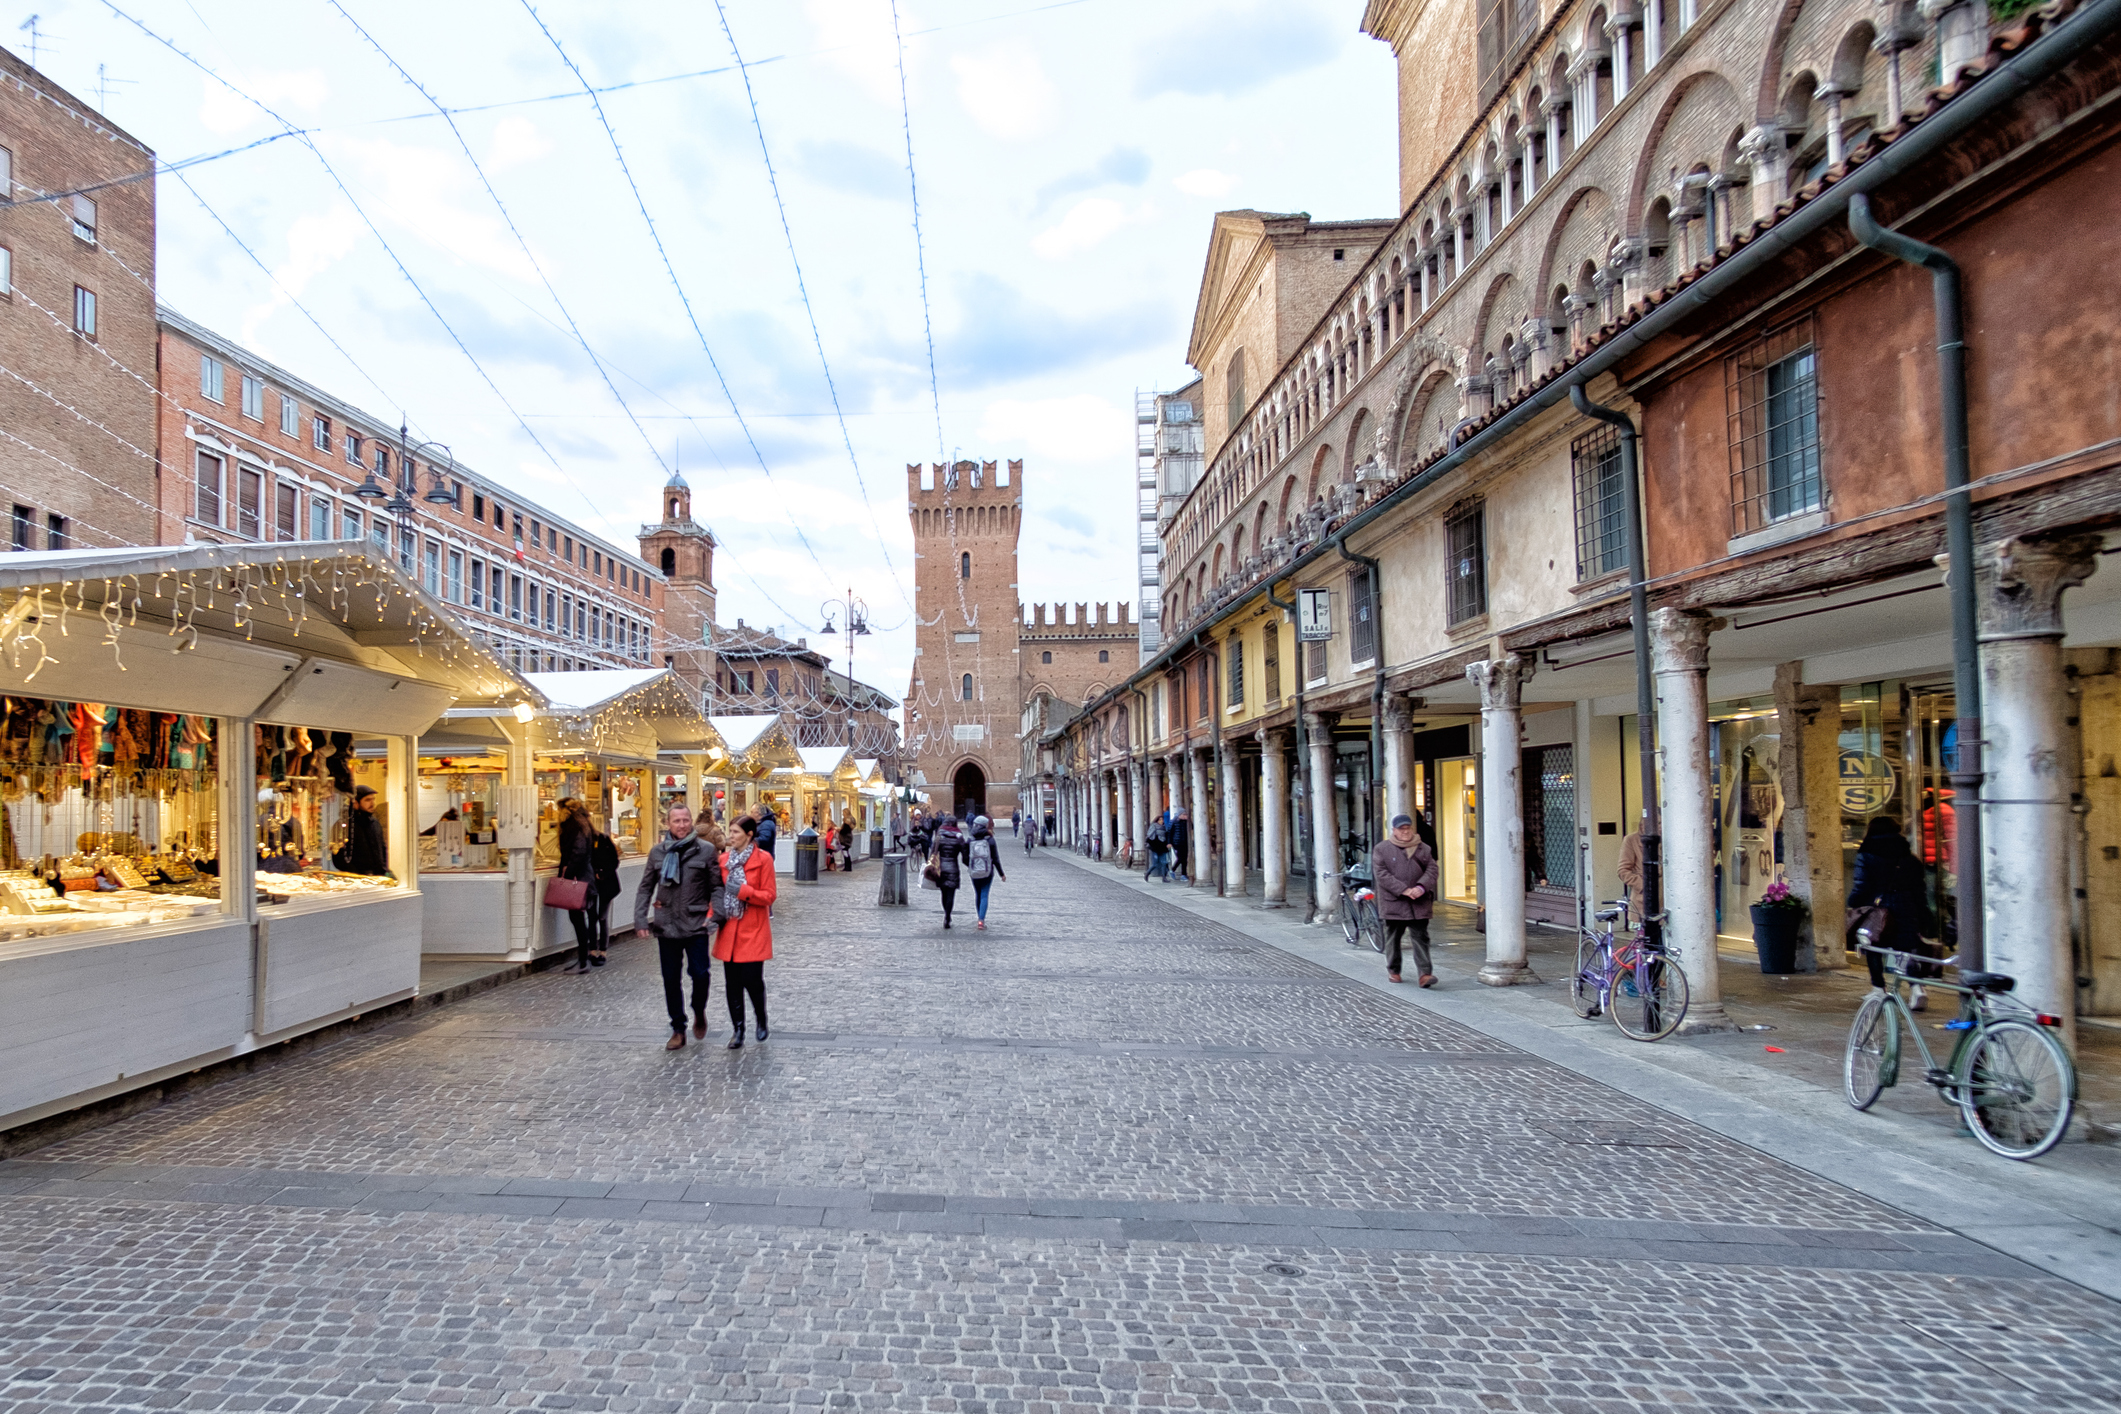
(1405, 873)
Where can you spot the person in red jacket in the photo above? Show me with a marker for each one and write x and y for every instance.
(745, 941)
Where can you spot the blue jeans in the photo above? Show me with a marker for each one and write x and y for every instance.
(1159, 865)
(979, 895)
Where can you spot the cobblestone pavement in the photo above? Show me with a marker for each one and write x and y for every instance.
(1105, 1155)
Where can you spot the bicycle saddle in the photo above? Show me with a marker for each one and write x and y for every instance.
(1993, 982)
(1606, 915)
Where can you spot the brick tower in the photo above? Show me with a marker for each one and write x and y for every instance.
(964, 702)
(683, 550)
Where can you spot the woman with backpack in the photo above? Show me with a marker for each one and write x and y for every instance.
(948, 853)
(983, 861)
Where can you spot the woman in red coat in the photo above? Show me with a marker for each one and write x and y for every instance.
(745, 941)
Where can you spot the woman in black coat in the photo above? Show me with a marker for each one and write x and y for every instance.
(951, 851)
(576, 834)
(1889, 876)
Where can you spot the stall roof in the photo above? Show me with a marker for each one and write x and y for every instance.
(759, 742)
(319, 633)
(825, 760)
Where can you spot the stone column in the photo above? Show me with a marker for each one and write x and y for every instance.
(1583, 90)
(1652, 34)
(1274, 818)
(1107, 811)
(1138, 809)
(1398, 763)
(1233, 810)
(1620, 28)
(2030, 759)
(1155, 772)
(1766, 158)
(1830, 94)
(1325, 829)
(1458, 244)
(1679, 648)
(1202, 868)
(1962, 34)
(1501, 684)
(1553, 113)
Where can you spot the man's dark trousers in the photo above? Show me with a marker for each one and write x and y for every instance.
(1417, 931)
(682, 955)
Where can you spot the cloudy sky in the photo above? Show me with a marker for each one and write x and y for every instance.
(1069, 158)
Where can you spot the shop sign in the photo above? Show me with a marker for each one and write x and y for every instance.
(1867, 782)
(1314, 615)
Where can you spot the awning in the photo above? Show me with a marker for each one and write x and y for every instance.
(756, 745)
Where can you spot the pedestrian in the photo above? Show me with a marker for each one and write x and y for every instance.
(576, 834)
(949, 852)
(1888, 876)
(1404, 869)
(1631, 871)
(846, 843)
(983, 861)
(1030, 835)
(1159, 849)
(604, 860)
(1016, 821)
(745, 941)
(1180, 836)
(364, 851)
(769, 829)
(676, 906)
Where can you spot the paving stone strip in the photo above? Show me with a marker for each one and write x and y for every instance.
(1067, 1219)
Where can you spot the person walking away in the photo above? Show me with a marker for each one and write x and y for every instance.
(983, 861)
(604, 860)
(1016, 822)
(575, 835)
(675, 905)
(744, 942)
(1403, 869)
(364, 851)
(950, 853)
(1181, 837)
(769, 829)
(1889, 876)
(1030, 836)
(1159, 843)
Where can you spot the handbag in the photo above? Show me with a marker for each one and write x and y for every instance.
(1869, 918)
(570, 894)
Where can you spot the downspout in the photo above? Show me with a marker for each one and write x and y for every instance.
(1645, 678)
(1967, 774)
(1303, 766)
(1377, 684)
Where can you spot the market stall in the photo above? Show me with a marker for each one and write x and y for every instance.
(756, 749)
(597, 738)
(206, 803)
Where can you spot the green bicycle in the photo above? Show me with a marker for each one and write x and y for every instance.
(2011, 1079)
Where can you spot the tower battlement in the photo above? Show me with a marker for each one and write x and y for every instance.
(1049, 622)
(964, 483)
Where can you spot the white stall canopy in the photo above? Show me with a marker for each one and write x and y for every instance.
(616, 712)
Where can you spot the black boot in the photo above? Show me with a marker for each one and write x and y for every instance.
(762, 1023)
(736, 1042)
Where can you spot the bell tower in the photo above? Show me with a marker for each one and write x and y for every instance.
(683, 551)
(964, 703)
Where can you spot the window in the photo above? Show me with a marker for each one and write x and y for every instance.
(320, 433)
(478, 584)
(1046, 657)
(250, 493)
(500, 517)
(210, 378)
(319, 518)
(1362, 620)
(382, 461)
(290, 417)
(1270, 661)
(353, 448)
(207, 505)
(55, 536)
(1235, 696)
(84, 311)
(670, 562)
(7, 175)
(964, 565)
(478, 508)
(1314, 663)
(431, 569)
(1772, 397)
(7, 271)
(350, 525)
(379, 534)
(552, 608)
(1601, 521)
(567, 554)
(1104, 655)
(1466, 560)
(598, 556)
(537, 534)
(253, 398)
(515, 596)
(773, 682)
(966, 687)
(85, 219)
(1234, 388)
(25, 528)
(286, 514)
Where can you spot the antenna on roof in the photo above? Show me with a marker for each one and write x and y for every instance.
(104, 84)
(30, 25)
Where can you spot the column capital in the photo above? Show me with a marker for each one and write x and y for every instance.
(1501, 681)
(2019, 583)
(1272, 738)
(1679, 639)
(1320, 722)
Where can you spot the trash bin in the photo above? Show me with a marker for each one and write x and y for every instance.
(876, 844)
(891, 888)
(806, 857)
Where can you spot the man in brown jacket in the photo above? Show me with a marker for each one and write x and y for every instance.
(1404, 870)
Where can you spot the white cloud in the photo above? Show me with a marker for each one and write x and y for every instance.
(431, 193)
(301, 90)
(1205, 181)
(857, 40)
(1087, 223)
(516, 140)
(1005, 90)
(1081, 428)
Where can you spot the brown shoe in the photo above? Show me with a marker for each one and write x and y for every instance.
(1428, 979)
(1391, 977)
(676, 1041)
(699, 1027)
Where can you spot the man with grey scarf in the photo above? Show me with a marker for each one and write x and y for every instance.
(676, 906)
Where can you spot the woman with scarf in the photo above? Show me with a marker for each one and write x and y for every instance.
(745, 941)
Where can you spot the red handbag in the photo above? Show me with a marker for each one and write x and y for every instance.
(570, 894)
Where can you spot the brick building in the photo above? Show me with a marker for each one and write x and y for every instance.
(979, 656)
(682, 550)
(77, 320)
(250, 452)
(756, 670)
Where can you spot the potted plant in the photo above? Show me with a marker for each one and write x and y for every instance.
(1778, 927)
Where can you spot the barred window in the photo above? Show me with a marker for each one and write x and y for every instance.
(1601, 516)
(1314, 663)
(1466, 537)
(1270, 661)
(1362, 619)
(1771, 394)
(1236, 695)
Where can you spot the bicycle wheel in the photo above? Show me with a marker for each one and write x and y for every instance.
(1874, 1037)
(1649, 997)
(1583, 983)
(2017, 1089)
(1350, 926)
(1373, 927)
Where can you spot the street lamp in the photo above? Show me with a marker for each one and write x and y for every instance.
(857, 627)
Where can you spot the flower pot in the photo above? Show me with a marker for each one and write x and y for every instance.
(1776, 934)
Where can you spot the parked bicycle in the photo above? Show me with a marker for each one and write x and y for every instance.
(2011, 1079)
(1360, 922)
(1633, 981)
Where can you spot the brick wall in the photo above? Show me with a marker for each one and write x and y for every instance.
(1076, 655)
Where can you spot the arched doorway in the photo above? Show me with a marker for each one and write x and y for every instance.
(968, 790)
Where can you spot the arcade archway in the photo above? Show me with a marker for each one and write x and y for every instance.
(968, 790)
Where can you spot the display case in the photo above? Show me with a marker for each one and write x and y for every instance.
(458, 807)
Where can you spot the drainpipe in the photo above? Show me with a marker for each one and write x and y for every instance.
(1377, 683)
(1967, 774)
(1303, 766)
(1645, 680)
